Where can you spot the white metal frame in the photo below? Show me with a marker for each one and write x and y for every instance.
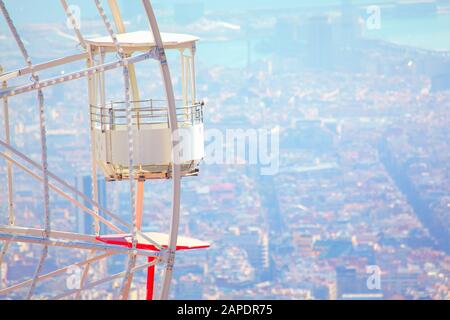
(95, 75)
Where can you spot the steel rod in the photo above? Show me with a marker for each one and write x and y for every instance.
(9, 169)
(53, 273)
(128, 278)
(43, 66)
(77, 192)
(85, 275)
(63, 194)
(92, 90)
(5, 248)
(104, 280)
(176, 168)
(73, 21)
(77, 75)
(43, 140)
(75, 244)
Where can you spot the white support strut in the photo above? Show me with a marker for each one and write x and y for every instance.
(43, 66)
(94, 214)
(107, 279)
(43, 133)
(73, 22)
(77, 75)
(77, 192)
(74, 244)
(54, 273)
(97, 245)
(126, 75)
(176, 167)
(9, 169)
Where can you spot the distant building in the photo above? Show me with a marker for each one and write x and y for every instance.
(347, 38)
(349, 28)
(85, 222)
(352, 285)
(308, 134)
(415, 8)
(440, 82)
(397, 284)
(321, 292)
(256, 243)
(190, 287)
(319, 43)
(233, 270)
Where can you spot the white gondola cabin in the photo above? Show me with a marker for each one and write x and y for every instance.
(151, 131)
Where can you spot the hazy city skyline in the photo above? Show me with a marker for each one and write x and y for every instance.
(359, 204)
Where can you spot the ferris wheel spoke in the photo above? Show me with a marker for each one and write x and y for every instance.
(9, 169)
(71, 199)
(43, 66)
(128, 277)
(42, 259)
(69, 187)
(47, 222)
(85, 274)
(55, 273)
(67, 240)
(65, 195)
(42, 124)
(128, 238)
(4, 250)
(77, 75)
(73, 22)
(102, 281)
(176, 168)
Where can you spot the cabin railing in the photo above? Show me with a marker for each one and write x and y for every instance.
(145, 114)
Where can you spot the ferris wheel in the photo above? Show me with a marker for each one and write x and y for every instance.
(132, 140)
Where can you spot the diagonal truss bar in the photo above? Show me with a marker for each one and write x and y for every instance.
(63, 194)
(104, 280)
(38, 85)
(120, 25)
(43, 66)
(73, 22)
(54, 273)
(85, 275)
(128, 278)
(66, 239)
(78, 74)
(77, 192)
(5, 248)
(176, 167)
(43, 134)
(9, 169)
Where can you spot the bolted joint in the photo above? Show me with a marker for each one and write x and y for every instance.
(164, 253)
(171, 259)
(168, 257)
(157, 53)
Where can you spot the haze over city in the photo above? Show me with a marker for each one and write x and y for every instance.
(349, 197)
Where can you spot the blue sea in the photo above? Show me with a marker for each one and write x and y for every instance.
(429, 32)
